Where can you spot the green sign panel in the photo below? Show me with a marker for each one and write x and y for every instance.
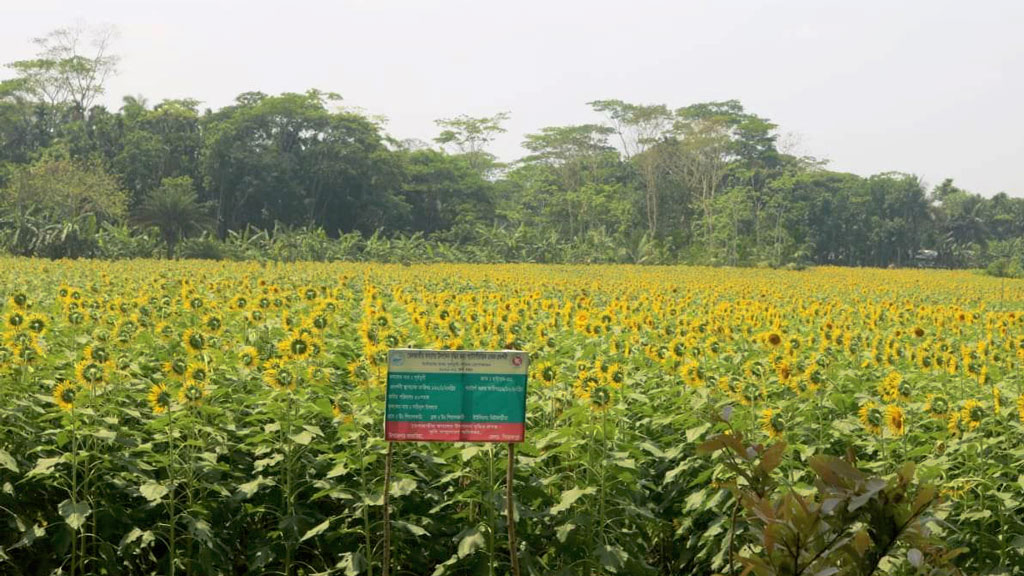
(456, 396)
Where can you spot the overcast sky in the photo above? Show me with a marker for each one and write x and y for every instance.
(931, 87)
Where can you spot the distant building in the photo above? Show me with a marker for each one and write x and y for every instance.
(926, 258)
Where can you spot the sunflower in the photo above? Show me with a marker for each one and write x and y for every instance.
(15, 320)
(213, 323)
(196, 372)
(318, 374)
(894, 420)
(772, 423)
(545, 371)
(1020, 408)
(91, 373)
(192, 393)
(279, 375)
(971, 414)
(96, 353)
(194, 341)
(889, 388)
(615, 374)
(64, 394)
(249, 356)
(37, 323)
(159, 398)
(936, 405)
(872, 417)
(773, 339)
(175, 368)
(19, 300)
(955, 423)
(298, 346)
(996, 404)
(693, 374)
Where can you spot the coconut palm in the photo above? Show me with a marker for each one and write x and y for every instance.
(174, 209)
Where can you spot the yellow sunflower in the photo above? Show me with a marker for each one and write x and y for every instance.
(297, 346)
(194, 341)
(249, 356)
(872, 417)
(192, 393)
(159, 398)
(971, 414)
(91, 373)
(64, 394)
(772, 423)
(936, 405)
(895, 420)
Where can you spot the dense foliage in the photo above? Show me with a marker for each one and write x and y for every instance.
(216, 418)
(703, 183)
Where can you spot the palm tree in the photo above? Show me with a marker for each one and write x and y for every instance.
(175, 210)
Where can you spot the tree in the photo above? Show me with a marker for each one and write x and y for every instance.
(174, 209)
(640, 128)
(470, 136)
(71, 67)
(54, 206)
(575, 155)
(287, 159)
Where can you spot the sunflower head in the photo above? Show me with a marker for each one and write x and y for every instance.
(249, 356)
(772, 423)
(894, 420)
(91, 373)
(936, 405)
(872, 417)
(64, 394)
(298, 346)
(194, 341)
(160, 398)
(197, 372)
(192, 393)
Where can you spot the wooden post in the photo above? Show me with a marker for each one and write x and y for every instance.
(513, 548)
(387, 511)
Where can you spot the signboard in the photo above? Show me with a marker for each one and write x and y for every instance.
(456, 396)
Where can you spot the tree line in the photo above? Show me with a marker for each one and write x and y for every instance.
(704, 183)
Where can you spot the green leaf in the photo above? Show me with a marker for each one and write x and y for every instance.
(353, 563)
(316, 530)
(653, 450)
(153, 491)
(30, 536)
(339, 470)
(249, 488)
(412, 528)
(264, 463)
(402, 487)
(104, 434)
(471, 542)
(8, 461)
(562, 532)
(145, 538)
(74, 513)
(44, 466)
(612, 558)
(302, 438)
(570, 497)
(697, 431)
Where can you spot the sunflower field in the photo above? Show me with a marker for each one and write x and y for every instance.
(227, 418)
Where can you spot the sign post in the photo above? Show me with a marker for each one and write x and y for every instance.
(456, 396)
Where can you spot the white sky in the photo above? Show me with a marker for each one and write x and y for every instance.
(931, 87)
